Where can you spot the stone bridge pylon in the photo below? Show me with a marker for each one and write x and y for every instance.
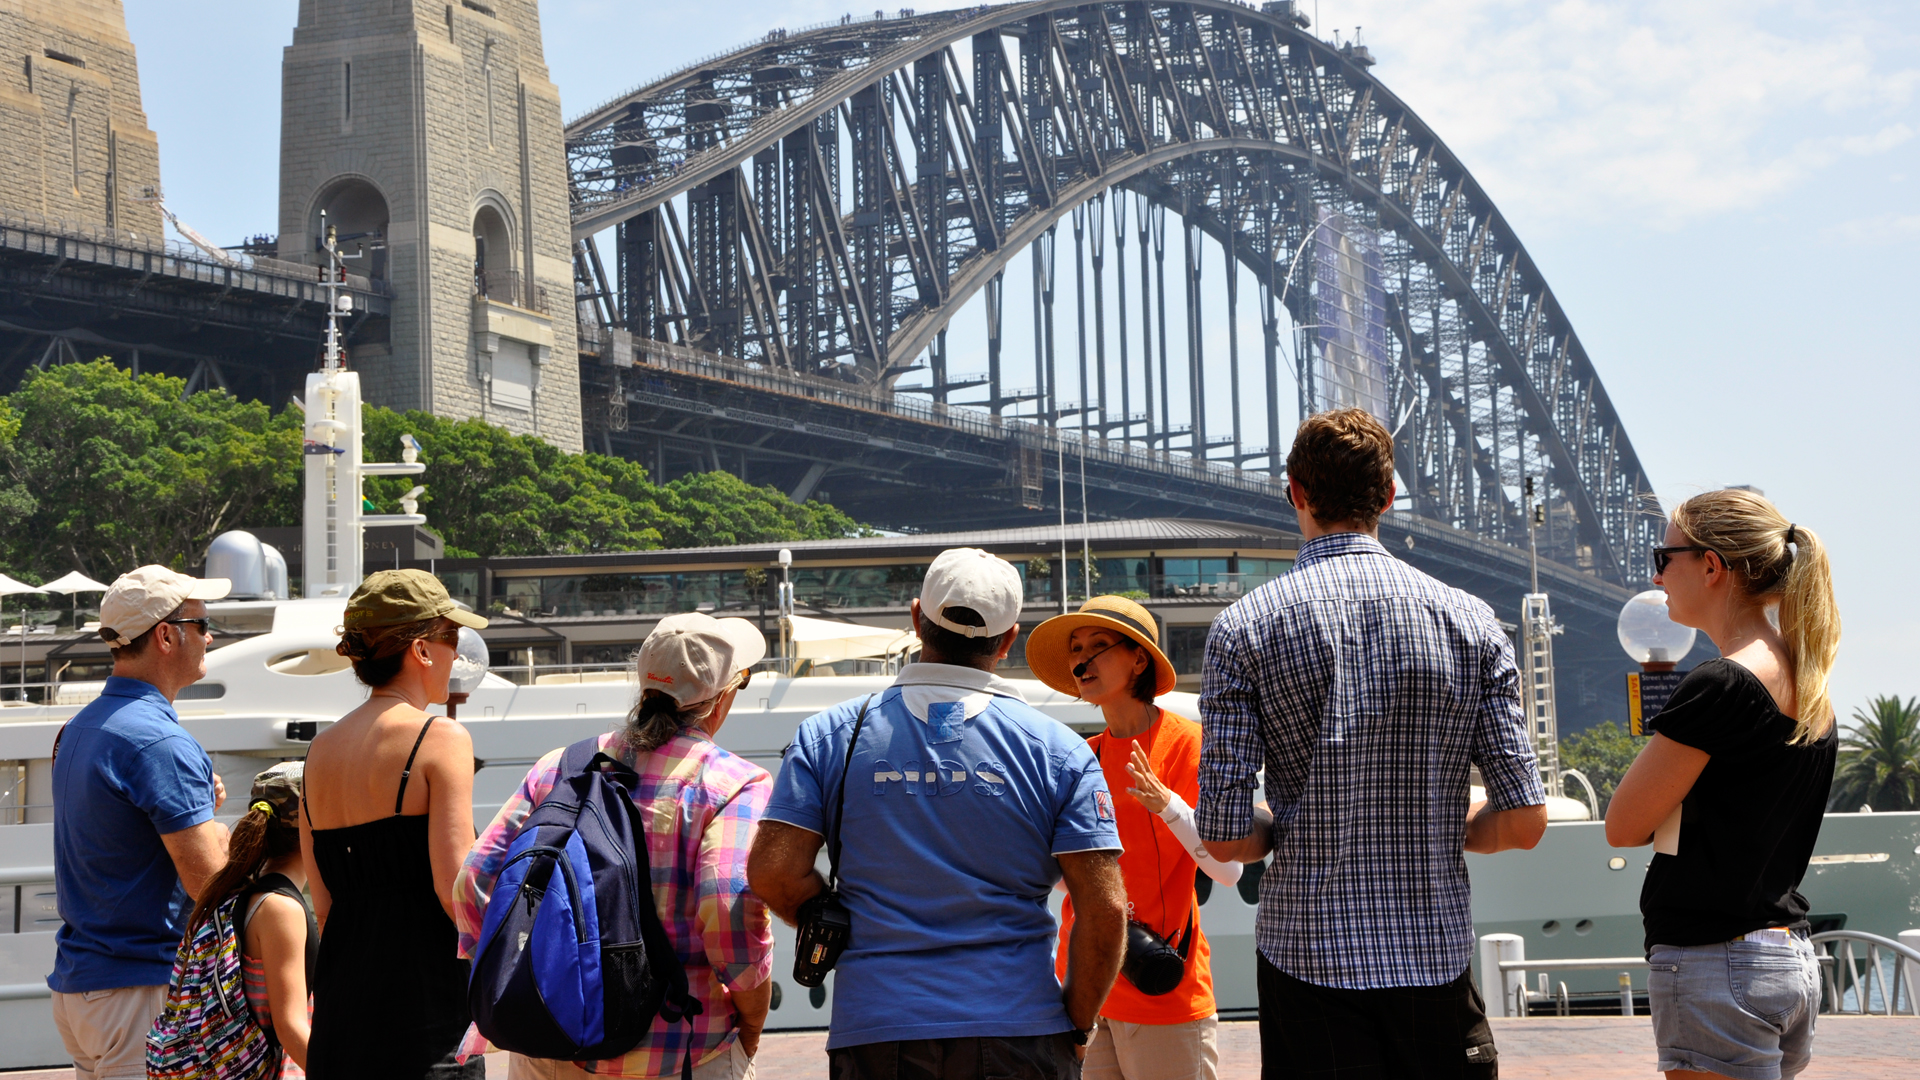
(430, 134)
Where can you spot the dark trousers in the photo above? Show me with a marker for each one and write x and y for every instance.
(1392, 1033)
(1020, 1057)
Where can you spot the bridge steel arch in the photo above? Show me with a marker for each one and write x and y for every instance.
(849, 187)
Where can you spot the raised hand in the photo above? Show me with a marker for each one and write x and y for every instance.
(1148, 791)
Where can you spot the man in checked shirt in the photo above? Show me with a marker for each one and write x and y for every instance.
(1366, 689)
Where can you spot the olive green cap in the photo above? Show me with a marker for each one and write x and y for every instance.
(396, 597)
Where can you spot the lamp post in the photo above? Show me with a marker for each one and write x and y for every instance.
(1537, 629)
(786, 607)
(471, 659)
(1658, 644)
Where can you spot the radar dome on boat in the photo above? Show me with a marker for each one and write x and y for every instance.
(241, 558)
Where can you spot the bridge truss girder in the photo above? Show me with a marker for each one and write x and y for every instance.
(847, 190)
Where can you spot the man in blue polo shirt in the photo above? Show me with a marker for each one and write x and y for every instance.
(963, 807)
(134, 838)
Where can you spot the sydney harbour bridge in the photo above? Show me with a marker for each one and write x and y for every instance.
(799, 224)
(937, 267)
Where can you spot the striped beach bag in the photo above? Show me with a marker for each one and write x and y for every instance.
(206, 1031)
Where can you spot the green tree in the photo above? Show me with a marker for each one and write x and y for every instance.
(717, 509)
(1879, 762)
(1602, 753)
(106, 470)
(102, 470)
(490, 492)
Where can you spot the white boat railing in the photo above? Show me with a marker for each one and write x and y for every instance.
(1844, 972)
(1523, 999)
(1861, 974)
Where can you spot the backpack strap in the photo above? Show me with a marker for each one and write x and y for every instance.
(840, 799)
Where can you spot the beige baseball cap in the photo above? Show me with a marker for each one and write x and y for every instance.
(972, 578)
(139, 599)
(695, 656)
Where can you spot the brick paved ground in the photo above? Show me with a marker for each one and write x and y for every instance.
(1544, 1048)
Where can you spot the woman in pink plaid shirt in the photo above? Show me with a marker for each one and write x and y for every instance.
(700, 805)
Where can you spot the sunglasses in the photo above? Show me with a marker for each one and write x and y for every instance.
(204, 622)
(1664, 555)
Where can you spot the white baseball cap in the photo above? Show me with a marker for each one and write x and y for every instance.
(695, 656)
(139, 599)
(971, 578)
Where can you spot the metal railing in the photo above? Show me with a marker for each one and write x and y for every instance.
(1026, 430)
(1523, 998)
(1845, 974)
(78, 242)
(510, 287)
(1885, 981)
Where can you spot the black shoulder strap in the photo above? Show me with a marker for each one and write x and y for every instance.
(840, 800)
(401, 796)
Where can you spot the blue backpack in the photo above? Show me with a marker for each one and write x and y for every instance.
(573, 962)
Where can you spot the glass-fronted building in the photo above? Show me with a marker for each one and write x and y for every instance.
(595, 609)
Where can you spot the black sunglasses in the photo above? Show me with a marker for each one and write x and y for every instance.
(1664, 555)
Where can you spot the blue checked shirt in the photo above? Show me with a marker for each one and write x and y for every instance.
(1365, 688)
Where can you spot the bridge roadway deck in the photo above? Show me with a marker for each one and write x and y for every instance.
(1578, 1048)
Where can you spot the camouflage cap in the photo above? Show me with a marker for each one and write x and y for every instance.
(278, 790)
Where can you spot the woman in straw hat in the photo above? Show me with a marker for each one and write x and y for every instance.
(1160, 1020)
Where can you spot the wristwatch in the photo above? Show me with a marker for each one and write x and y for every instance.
(1082, 1038)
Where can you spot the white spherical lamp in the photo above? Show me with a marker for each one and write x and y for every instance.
(470, 662)
(1648, 634)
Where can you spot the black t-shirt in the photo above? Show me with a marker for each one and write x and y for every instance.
(1748, 826)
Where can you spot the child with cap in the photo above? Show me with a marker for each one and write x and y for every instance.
(278, 938)
(1108, 654)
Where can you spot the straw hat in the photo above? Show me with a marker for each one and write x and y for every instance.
(1052, 663)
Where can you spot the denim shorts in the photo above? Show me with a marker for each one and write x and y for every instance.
(1743, 1009)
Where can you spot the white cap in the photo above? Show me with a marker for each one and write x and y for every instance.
(971, 578)
(695, 656)
(139, 599)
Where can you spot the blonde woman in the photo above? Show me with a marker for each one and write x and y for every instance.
(1731, 789)
(1155, 1023)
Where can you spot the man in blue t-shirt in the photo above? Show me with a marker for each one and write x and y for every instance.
(133, 803)
(962, 809)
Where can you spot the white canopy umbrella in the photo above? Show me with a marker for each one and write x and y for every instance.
(11, 587)
(73, 582)
(824, 640)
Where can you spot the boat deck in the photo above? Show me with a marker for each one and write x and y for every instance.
(1541, 1048)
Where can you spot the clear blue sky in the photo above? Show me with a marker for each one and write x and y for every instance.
(1722, 194)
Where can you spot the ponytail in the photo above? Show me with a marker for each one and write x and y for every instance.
(1773, 558)
(1810, 626)
(656, 718)
(257, 837)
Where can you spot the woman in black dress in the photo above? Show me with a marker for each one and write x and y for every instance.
(389, 818)
(1731, 791)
